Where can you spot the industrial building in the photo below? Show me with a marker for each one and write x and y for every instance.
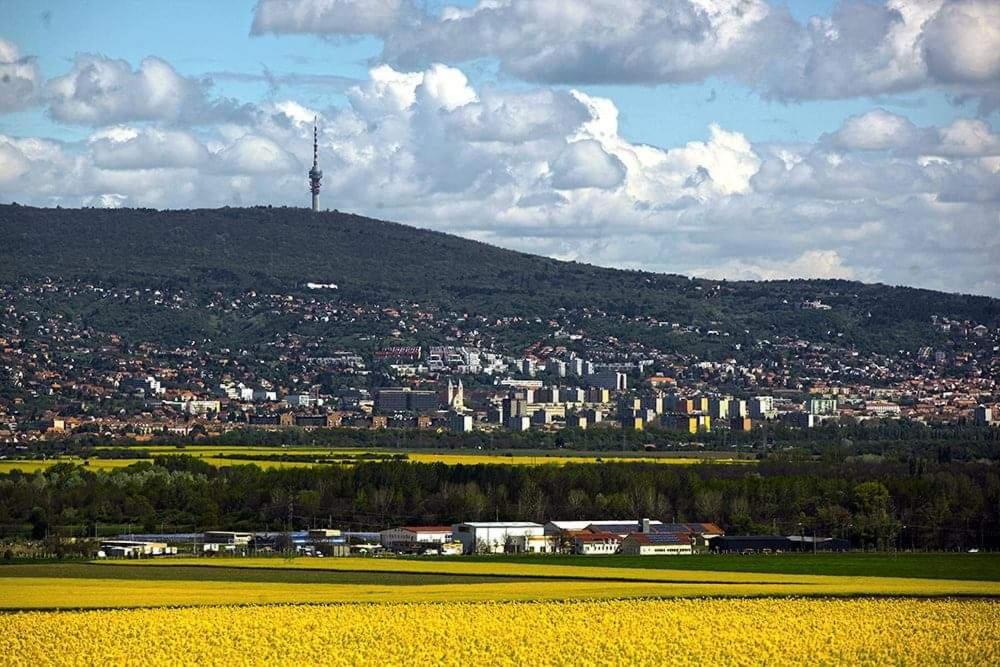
(775, 544)
(133, 549)
(497, 537)
(223, 540)
(411, 538)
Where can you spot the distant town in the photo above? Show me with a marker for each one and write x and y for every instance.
(411, 366)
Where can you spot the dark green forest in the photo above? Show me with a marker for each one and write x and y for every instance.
(889, 505)
(280, 249)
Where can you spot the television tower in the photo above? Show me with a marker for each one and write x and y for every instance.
(315, 174)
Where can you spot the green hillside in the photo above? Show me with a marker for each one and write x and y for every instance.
(280, 249)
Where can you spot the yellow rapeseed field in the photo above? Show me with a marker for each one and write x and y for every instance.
(528, 459)
(214, 455)
(637, 632)
(28, 466)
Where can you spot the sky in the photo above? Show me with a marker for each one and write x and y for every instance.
(736, 139)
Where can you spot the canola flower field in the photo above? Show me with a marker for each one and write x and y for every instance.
(215, 455)
(632, 632)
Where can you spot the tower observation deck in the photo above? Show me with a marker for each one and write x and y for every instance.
(315, 174)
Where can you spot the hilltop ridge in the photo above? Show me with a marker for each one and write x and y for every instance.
(374, 261)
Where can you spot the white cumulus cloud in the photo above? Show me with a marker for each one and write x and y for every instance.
(103, 91)
(20, 78)
(550, 171)
(336, 17)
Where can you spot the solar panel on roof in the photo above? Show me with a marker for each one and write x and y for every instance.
(667, 538)
(616, 527)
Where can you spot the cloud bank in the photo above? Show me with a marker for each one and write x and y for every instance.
(548, 171)
(860, 49)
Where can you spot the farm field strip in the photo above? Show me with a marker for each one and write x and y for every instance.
(58, 593)
(31, 465)
(216, 456)
(780, 583)
(641, 632)
(935, 565)
(193, 573)
(432, 456)
(36, 465)
(390, 451)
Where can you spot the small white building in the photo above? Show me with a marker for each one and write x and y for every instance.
(225, 540)
(657, 544)
(596, 544)
(406, 538)
(134, 549)
(496, 537)
(534, 544)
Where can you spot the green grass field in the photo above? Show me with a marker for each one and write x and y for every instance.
(125, 571)
(972, 567)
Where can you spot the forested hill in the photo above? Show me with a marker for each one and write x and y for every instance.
(381, 262)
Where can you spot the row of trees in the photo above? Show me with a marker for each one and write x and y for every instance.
(885, 506)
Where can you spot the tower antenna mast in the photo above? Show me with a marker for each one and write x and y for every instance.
(315, 174)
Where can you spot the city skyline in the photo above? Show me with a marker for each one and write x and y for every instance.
(673, 141)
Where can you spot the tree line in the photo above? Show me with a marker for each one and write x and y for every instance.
(887, 505)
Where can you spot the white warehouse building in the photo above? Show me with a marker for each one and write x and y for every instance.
(497, 537)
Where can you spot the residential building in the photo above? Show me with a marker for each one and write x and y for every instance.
(762, 407)
(983, 416)
(202, 407)
(596, 544)
(822, 406)
(718, 408)
(460, 423)
(800, 419)
(145, 386)
(405, 400)
(598, 395)
(653, 404)
(737, 408)
(632, 422)
(519, 423)
(609, 379)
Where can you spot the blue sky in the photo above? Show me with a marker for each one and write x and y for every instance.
(754, 139)
(201, 38)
